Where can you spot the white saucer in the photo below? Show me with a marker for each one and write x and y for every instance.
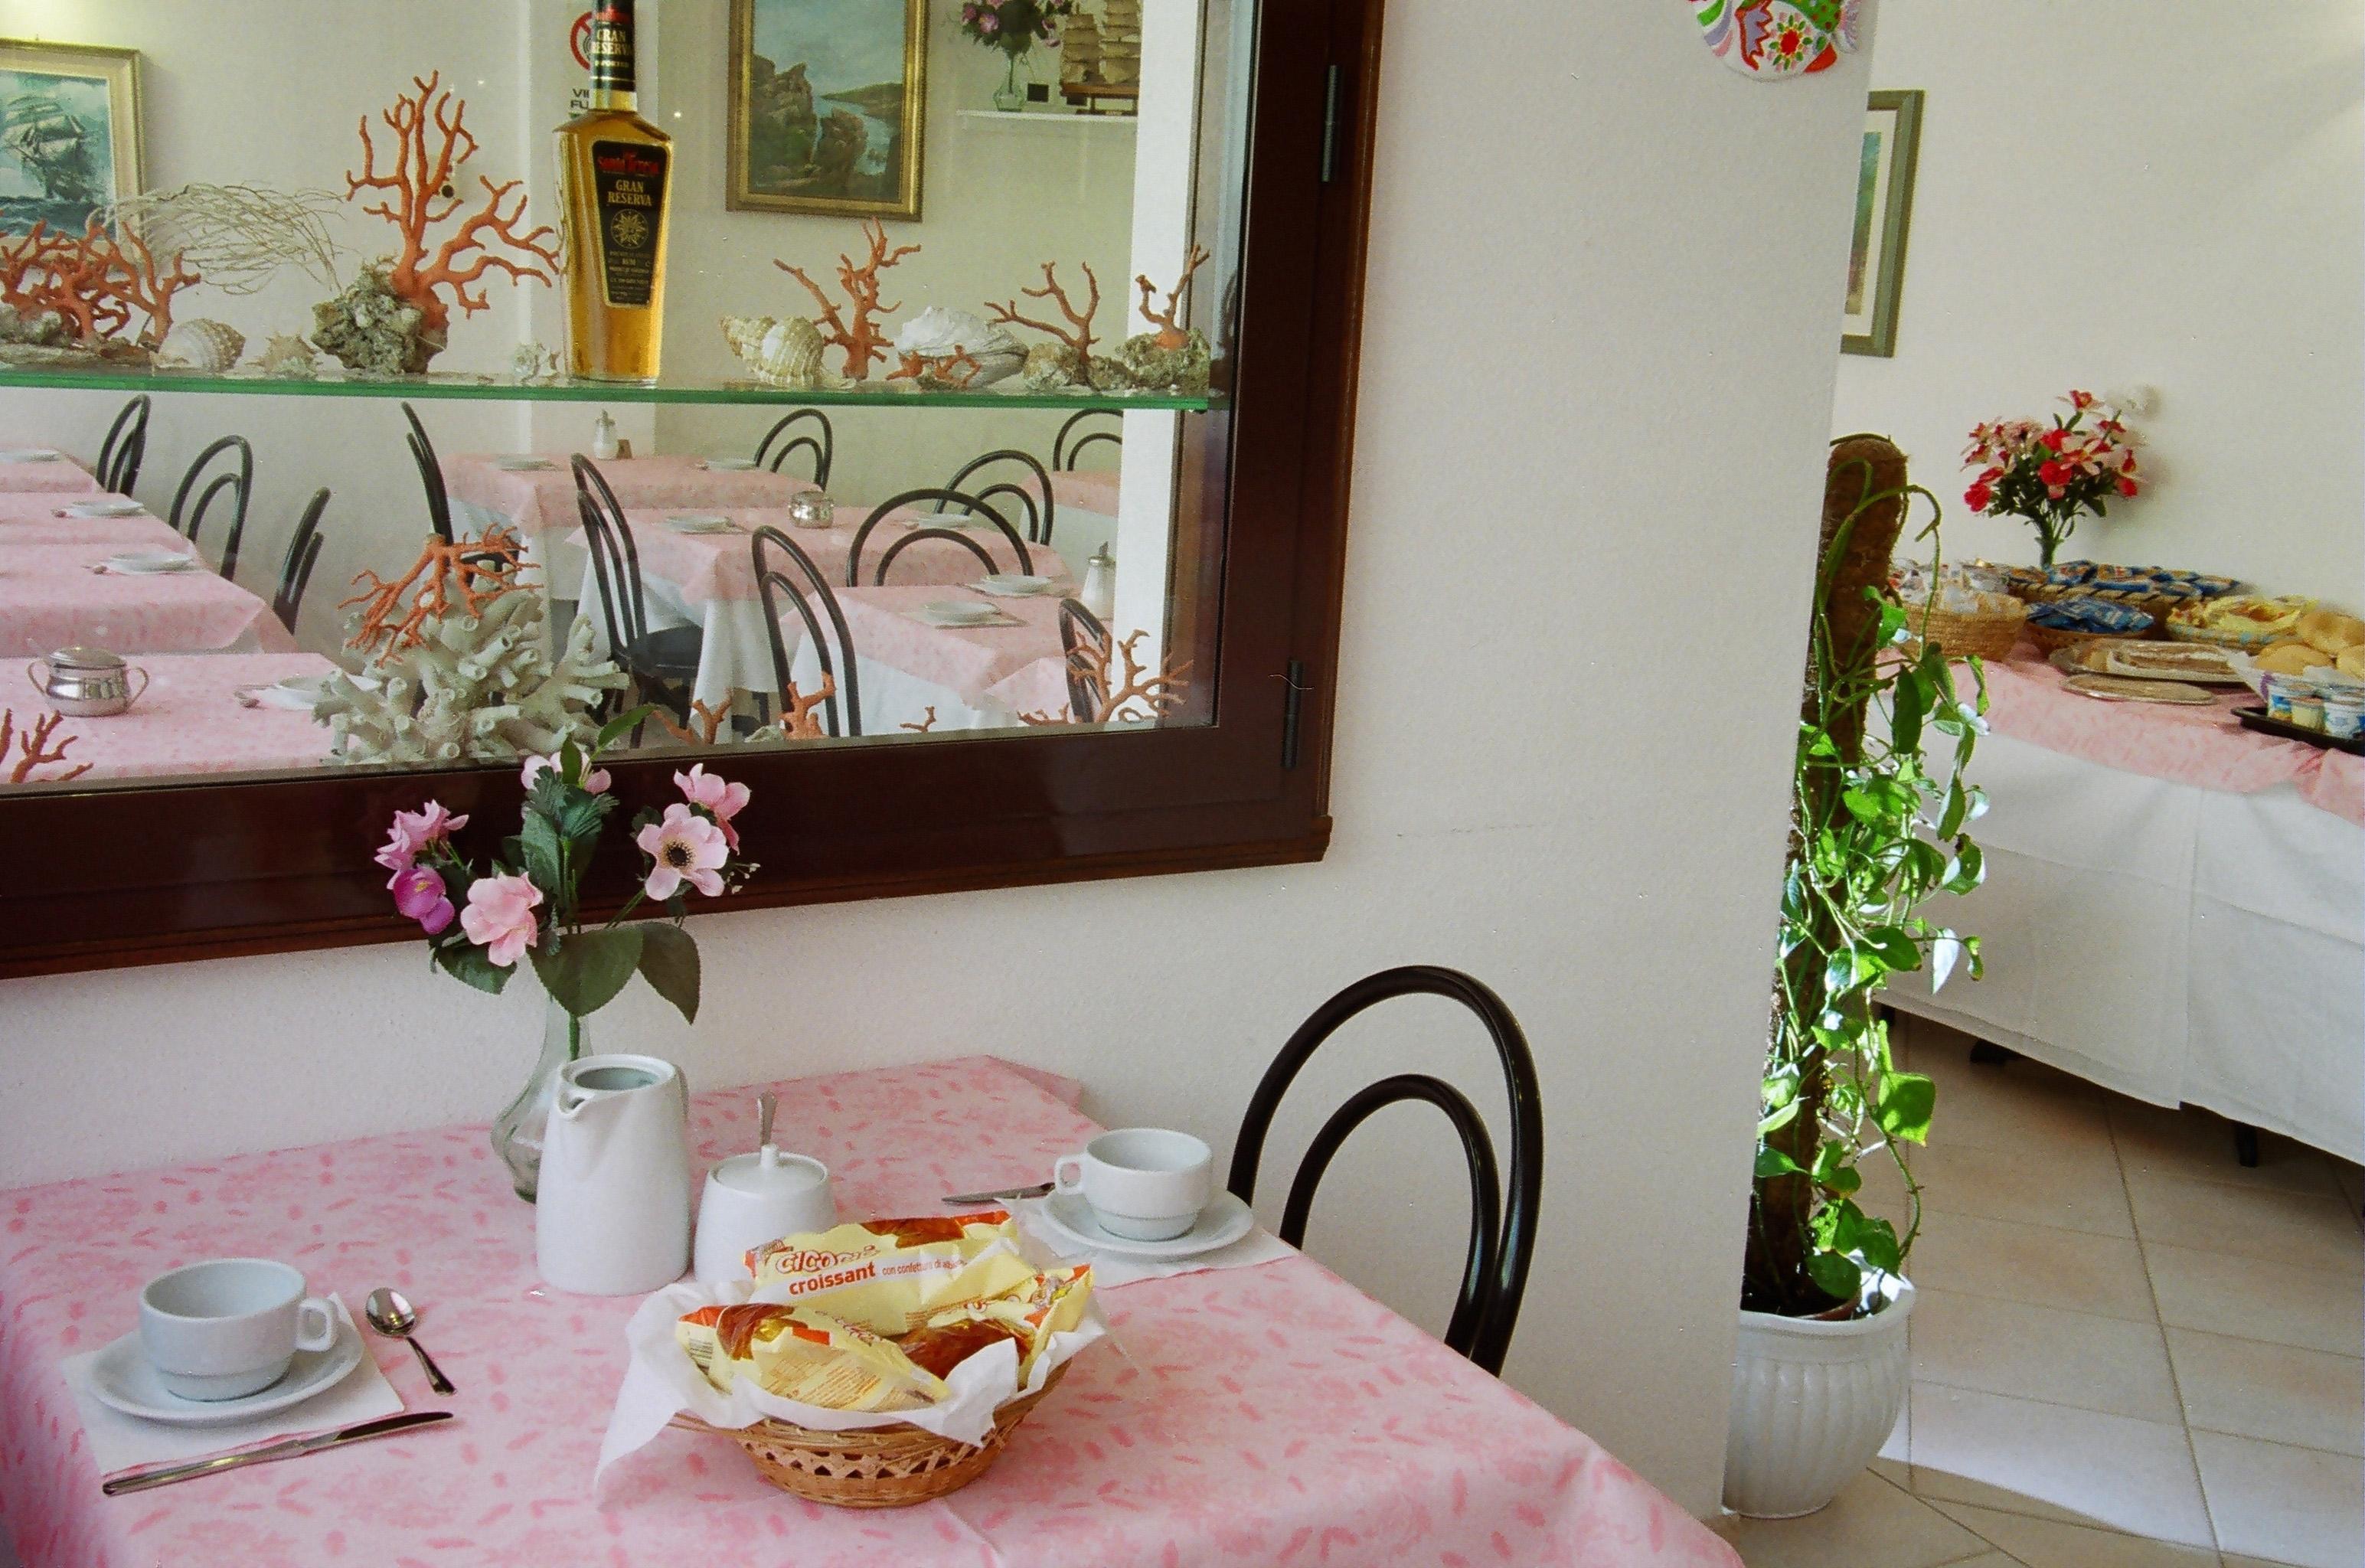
(31, 455)
(700, 523)
(956, 612)
(121, 1379)
(1012, 584)
(1223, 1221)
(151, 562)
(298, 693)
(105, 508)
(728, 465)
(522, 465)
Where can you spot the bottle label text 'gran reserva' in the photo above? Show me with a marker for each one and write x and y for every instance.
(629, 182)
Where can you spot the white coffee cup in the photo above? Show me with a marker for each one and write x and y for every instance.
(1142, 1183)
(227, 1329)
(751, 1199)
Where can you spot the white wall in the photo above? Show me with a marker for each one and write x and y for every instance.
(2106, 199)
(1570, 419)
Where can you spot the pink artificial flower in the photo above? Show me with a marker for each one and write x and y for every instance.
(419, 894)
(413, 832)
(594, 782)
(500, 918)
(701, 787)
(988, 23)
(684, 848)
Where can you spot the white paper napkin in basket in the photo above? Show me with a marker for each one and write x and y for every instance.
(119, 1442)
(1110, 1269)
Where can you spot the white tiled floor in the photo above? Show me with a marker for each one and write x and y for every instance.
(2129, 1351)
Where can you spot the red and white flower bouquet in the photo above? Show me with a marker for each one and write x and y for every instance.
(2053, 476)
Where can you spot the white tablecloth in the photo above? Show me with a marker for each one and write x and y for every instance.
(2175, 943)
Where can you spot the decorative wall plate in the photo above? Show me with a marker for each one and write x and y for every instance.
(1776, 40)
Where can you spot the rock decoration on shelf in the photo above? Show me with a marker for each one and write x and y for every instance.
(38, 745)
(209, 346)
(95, 284)
(420, 195)
(455, 664)
(1112, 699)
(940, 348)
(783, 353)
(1067, 363)
(288, 358)
(858, 335)
(1169, 359)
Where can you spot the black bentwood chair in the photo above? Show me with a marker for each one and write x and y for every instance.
(839, 717)
(126, 447)
(1084, 642)
(824, 447)
(665, 658)
(972, 504)
(238, 481)
(431, 475)
(1065, 451)
(296, 569)
(1496, 1275)
(1040, 507)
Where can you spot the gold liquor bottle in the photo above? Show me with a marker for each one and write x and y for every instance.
(615, 173)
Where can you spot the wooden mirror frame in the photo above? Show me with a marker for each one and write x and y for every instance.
(119, 876)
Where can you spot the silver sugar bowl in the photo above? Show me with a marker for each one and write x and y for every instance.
(811, 509)
(85, 683)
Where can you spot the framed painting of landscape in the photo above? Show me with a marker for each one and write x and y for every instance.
(828, 99)
(69, 132)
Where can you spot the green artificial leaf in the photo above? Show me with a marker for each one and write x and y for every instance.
(580, 818)
(1872, 1241)
(1772, 1162)
(1907, 1101)
(1894, 946)
(586, 974)
(1968, 869)
(543, 854)
(467, 962)
(1838, 1277)
(1910, 700)
(1774, 1120)
(620, 726)
(669, 963)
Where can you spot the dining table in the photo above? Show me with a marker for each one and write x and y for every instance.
(539, 505)
(55, 474)
(913, 675)
(54, 595)
(707, 580)
(203, 714)
(1253, 1416)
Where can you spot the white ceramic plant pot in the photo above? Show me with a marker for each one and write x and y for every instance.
(1812, 1402)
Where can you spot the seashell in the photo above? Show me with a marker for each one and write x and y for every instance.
(785, 352)
(939, 333)
(208, 347)
(289, 356)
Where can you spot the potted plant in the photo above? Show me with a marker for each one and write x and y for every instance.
(526, 906)
(1877, 830)
(2051, 476)
(1014, 26)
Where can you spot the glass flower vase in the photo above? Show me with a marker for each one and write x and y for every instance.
(1011, 98)
(517, 1135)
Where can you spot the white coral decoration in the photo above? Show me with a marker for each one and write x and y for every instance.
(209, 346)
(480, 688)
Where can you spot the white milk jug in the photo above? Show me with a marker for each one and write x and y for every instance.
(612, 1216)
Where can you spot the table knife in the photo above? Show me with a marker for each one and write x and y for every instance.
(139, 1481)
(1040, 1189)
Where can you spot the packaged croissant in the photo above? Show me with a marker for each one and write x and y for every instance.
(892, 1275)
(803, 1353)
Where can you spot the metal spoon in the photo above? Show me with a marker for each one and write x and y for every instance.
(391, 1316)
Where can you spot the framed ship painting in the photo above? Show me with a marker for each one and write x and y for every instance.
(828, 99)
(69, 132)
(1884, 202)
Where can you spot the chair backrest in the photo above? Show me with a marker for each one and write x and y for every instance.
(296, 570)
(615, 559)
(431, 475)
(1041, 509)
(842, 712)
(970, 503)
(1068, 443)
(1495, 1274)
(125, 448)
(823, 447)
(238, 481)
(1085, 640)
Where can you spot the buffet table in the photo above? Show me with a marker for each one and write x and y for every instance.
(2174, 908)
(1263, 1415)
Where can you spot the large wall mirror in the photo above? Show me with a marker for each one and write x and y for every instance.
(943, 430)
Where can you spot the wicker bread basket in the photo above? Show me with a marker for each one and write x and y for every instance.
(1990, 632)
(875, 1467)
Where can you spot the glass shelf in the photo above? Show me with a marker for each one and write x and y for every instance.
(508, 389)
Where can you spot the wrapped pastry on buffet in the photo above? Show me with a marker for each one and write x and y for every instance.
(2238, 621)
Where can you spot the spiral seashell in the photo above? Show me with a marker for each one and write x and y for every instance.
(787, 353)
(745, 334)
(208, 347)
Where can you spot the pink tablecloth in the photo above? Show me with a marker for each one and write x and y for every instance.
(975, 663)
(705, 567)
(51, 598)
(1261, 1415)
(2201, 747)
(541, 500)
(1086, 489)
(59, 476)
(189, 720)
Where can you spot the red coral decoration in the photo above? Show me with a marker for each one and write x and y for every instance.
(1170, 335)
(34, 742)
(480, 570)
(863, 341)
(95, 283)
(1078, 334)
(422, 196)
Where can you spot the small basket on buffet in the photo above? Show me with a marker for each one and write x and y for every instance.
(1965, 623)
(2065, 622)
(874, 1365)
(2246, 622)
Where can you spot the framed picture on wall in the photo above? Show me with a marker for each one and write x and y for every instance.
(828, 103)
(1884, 203)
(69, 132)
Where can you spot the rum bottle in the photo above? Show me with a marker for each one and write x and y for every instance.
(615, 173)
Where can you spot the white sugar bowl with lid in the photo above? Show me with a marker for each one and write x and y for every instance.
(85, 683)
(754, 1198)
